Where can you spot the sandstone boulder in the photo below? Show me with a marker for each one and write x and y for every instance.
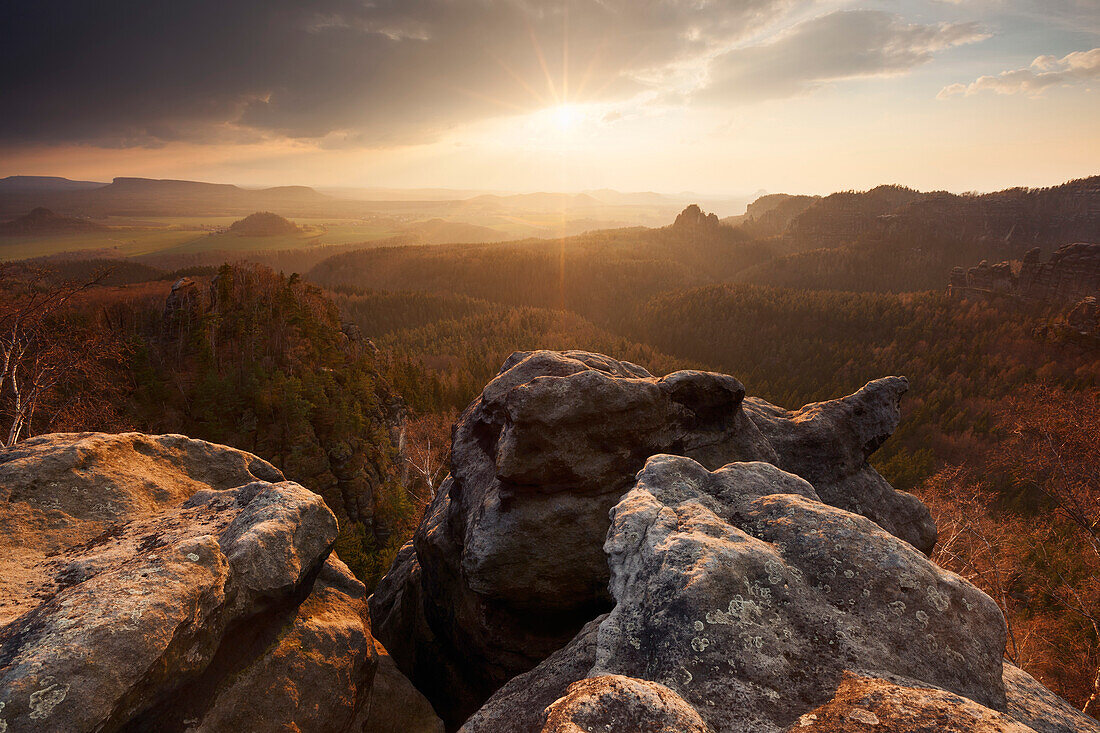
(761, 608)
(506, 565)
(750, 598)
(616, 703)
(172, 584)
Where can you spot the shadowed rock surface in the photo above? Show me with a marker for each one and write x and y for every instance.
(519, 704)
(506, 565)
(165, 583)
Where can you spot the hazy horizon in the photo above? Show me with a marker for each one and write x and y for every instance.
(443, 193)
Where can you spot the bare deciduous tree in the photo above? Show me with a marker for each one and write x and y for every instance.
(1027, 531)
(37, 350)
(427, 453)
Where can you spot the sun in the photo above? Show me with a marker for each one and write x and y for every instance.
(565, 116)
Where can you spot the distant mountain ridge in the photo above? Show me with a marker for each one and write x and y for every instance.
(45, 183)
(126, 196)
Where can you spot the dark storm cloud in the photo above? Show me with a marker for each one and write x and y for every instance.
(145, 72)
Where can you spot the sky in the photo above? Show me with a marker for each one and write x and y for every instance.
(722, 97)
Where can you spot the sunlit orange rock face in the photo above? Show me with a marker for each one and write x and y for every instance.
(158, 582)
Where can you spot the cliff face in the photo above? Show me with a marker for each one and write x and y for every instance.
(162, 583)
(1071, 273)
(1069, 280)
(696, 558)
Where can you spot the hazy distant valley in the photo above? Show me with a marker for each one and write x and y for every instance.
(142, 216)
(339, 339)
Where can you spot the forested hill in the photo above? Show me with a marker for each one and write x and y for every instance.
(896, 239)
(888, 239)
(598, 275)
(1017, 217)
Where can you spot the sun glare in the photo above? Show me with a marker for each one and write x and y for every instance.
(566, 116)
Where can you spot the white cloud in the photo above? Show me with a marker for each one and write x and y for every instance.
(840, 45)
(1044, 72)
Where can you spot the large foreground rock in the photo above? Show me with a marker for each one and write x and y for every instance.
(157, 582)
(757, 607)
(507, 564)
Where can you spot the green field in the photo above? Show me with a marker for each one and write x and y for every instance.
(128, 237)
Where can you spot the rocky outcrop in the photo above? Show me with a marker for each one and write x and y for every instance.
(158, 582)
(998, 278)
(693, 218)
(1084, 317)
(750, 603)
(507, 564)
(185, 297)
(828, 443)
(1071, 273)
